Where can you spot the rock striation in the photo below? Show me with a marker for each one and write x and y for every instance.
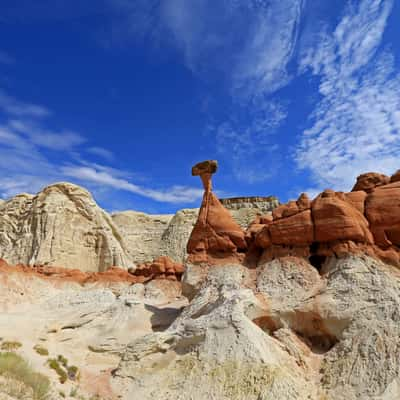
(216, 236)
(161, 268)
(143, 234)
(61, 225)
(366, 220)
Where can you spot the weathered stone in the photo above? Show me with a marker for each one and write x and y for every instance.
(369, 181)
(335, 219)
(216, 235)
(383, 213)
(293, 230)
(61, 225)
(205, 167)
(395, 177)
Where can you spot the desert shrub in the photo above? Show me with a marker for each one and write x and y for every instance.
(10, 346)
(62, 360)
(16, 368)
(41, 350)
(73, 372)
(55, 365)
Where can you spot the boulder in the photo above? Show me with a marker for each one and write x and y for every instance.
(295, 230)
(335, 219)
(61, 225)
(395, 177)
(383, 213)
(369, 181)
(161, 268)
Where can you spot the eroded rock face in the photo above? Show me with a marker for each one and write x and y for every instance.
(365, 221)
(367, 182)
(161, 268)
(61, 225)
(216, 235)
(132, 236)
(213, 350)
(143, 234)
(383, 213)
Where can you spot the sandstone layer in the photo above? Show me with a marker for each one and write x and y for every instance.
(62, 226)
(216, 236)
(316, 317)
(364, 221)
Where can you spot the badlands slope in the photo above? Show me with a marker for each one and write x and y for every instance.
(302, 303)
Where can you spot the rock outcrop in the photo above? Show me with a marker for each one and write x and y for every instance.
(124, 239)
(370, 180)
(317, 316)
(62, 226)
(216, 237)
(143, 234)
(161, 268)
(364, 221)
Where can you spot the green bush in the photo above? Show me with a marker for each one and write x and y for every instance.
(55, 365)
(10, 346)
(15, 367)
(73, 373)
(41, 350)
(61, 359)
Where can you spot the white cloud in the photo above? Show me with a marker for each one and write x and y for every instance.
(101, 152)
(247, 45)
(175, 194)
(356, 124)
(249, 142)
(25, 167)
(42, 137)
(12, 106)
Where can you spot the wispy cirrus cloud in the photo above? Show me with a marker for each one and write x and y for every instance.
(30, 150)
(247, 44)
(101, 152)
(174, 194)
(12, 106)
(356, 124)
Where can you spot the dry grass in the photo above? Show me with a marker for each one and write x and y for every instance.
(19, 377)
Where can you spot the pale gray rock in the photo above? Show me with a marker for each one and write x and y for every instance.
(349, 317)
(143, 234)
(245, 209)
(63, 226)
(178, 232)
(213, 350)
(60, 226)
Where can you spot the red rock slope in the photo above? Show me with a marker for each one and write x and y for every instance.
(366, 220)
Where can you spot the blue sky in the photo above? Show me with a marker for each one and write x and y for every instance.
(123, 96)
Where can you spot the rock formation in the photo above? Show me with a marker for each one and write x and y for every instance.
(161, 268)
(366, 220)
(315, 317)
(216, 237)
(367, 182)
(143, 234)
(62, 226)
